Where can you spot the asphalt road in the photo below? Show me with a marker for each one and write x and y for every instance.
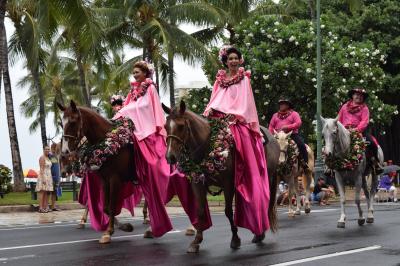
(306, 240)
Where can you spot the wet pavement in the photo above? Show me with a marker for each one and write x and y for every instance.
(307, 240)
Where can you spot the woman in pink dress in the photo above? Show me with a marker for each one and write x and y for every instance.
(143, 107)
(232, 95)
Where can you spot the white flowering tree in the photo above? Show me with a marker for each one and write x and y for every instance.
(282, 60)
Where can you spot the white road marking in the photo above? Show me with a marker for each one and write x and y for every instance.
(317, 211)
(336, 254)
(75, 241)
(4, 260)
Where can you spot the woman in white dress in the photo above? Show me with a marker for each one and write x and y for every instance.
(44, 181)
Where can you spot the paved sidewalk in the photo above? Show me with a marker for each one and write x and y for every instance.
(34, 218)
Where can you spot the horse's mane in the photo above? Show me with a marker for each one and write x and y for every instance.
(343, 137)
(92, 113)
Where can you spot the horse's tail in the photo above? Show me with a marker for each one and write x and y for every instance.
(272, 212)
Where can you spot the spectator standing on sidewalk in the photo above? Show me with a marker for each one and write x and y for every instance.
(56, 175)
(44, 181)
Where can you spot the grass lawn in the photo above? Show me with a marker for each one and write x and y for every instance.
(24, 198)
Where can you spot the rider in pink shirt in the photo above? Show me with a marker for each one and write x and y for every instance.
(355, 114)
(286, 120)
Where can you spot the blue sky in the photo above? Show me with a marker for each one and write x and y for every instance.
(30, 144)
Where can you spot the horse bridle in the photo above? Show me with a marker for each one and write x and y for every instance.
(182, 142)
(79, 136)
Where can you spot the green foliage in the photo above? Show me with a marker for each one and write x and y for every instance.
(5, 178)
(197, 100)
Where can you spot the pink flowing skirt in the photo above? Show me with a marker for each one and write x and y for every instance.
(153, 176)
(251, 181)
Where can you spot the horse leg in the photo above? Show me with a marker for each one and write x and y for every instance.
(201, 197)
(145, 213)
(81, 224)
(298, 198)
(229, 191)
(114, 188)
(307, 206)
(358, 182)
(370, 202)
(291, 192)
(339, 182)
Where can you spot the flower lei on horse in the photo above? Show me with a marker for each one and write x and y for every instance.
(286, 168)
(93, 156)
(352, 158)
(221, 144)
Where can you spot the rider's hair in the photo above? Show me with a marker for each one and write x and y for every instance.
(143, 67)
(231, 50)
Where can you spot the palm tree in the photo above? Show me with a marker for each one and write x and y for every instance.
(27, 41)
(12, 130)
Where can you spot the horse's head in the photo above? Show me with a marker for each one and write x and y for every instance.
(283, 141)
(72, 127)
(177, 127)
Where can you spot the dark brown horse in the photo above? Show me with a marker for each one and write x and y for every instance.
(79, 122)
(187, 129)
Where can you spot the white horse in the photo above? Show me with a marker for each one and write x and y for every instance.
(337, 144)
(291, 177)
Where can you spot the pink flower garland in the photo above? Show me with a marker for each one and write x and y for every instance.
(224, 82)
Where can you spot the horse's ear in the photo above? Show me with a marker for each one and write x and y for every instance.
(275, 132)
(61, 107)
(336, 120)
(73, 106)
(182, 107)
(323, 120)
(289, 134)
(166, 109)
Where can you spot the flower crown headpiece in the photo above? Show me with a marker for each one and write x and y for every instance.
(117, 98)
(149, 65)
(224, 52)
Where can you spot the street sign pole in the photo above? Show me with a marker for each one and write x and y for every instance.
(319, 163)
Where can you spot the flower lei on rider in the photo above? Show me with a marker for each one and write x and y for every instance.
(225, 83)
(93, 156)
(285, 168)
(139, 90)
(353, 157)
(221, 143)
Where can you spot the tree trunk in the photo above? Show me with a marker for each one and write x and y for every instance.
(171, 83)
(81, 71)
(311, 9)
(42, 112)
(12, 130)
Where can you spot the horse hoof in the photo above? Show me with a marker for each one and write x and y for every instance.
(258, 239)
(80, 226)
(190, 232)
(127, 227)
(148, 234)
(307, 210)
(105, 239)
(291, 214)
(146, 221)
(297, 213)
(236, 243)
(361, 221)
(370, 220)
(193, 248)
(340, 225)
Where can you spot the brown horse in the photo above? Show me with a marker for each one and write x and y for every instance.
(79, 122)
(186, 128)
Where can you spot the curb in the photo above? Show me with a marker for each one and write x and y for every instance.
(77, 206)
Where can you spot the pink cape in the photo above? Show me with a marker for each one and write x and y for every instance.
(237, 100)
(146, 113)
